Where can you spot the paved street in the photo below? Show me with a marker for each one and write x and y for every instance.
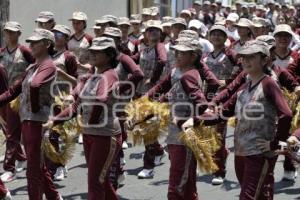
(75, 186)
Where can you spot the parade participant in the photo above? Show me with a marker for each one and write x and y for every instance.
(152, 60)
(45, 20)
(146, 14)
(78, 44)
(197, 6)
(167, 22)
(186, 14)
(35, 105)
(245, 33)
(135, 22)
(80, 41)
(260, 11)
(259, 27)
(185, 80)
(4, 192)
(272, 14)
(124, 26)
(256, 139)
(200, 28)
(107, 21)
(128, 72)
(101, 131)
(15, 58)
(97, 31)
(232, 32)
(66, 67)
(223, 65)
(281, 19)
(154, 13)
(205, 15)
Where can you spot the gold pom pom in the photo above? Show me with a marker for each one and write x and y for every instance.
(203, 141)
(149, 120)
(15, 104)
(231, 122)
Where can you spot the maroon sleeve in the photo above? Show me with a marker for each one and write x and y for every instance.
(12, 92)
(294, 69)
(229, 90)
(106, 86)
(71, 64)
(161, 56)
(190, 84)
(210, 78)
(136, 74)
(275, 96)
(3, 79)
(27, 54)
(287, 80)
(89, 38)
(160, 88)
(69, 111)
(45, 74)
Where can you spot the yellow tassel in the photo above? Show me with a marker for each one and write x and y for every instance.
(291, 98)
(15, 104)
(296, 120)
(67, 131)
(203, 141)
(231, 122)
(147, 130)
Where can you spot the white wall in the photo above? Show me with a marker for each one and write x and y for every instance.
(26, 11)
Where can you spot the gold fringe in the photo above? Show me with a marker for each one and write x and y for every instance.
(292, 100)
(67, 131)
(203, 141)
(15, 104)
(147, 130)
(231, 122)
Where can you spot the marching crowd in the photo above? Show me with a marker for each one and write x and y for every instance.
(212, 61)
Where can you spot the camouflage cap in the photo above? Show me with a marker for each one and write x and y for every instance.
(45, 16)
(180, 20)
(187, 44)
(41, 34)
(12, 26)
(106, 19)
(102, 43)
(270, 40)
(255, 46)
(81, 16)
(112, 31)
(146, 11)
(153, 24)
(219, 28)
(188, 34)
(285, 28)
(259, 22)
(243, 22)
(63, 29)
(123, 21)
(135, 18)
(167, 21)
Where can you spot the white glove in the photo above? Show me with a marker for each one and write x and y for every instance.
(292, 140)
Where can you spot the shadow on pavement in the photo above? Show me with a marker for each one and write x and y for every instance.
(77, 166)
(134, 171)
(136, 156)
(282, 187)
(76, 196)
(158, 183)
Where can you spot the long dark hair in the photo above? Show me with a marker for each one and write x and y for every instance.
(112, 53)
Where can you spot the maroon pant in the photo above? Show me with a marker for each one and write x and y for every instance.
(12, 133)
(3, 190)
(100, 152)
(256, 176)
(182, 178)
(220, 156)
(38, 178)
(288, 164)
(152, 150)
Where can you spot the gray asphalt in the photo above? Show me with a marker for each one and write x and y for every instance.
(75, 186)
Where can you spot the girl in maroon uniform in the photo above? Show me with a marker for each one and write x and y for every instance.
(66, 66)
(101, 129)
(36, 100)
(258, 105)
(182, 88)
(4, 192)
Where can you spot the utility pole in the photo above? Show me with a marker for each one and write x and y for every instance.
(4, 16)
